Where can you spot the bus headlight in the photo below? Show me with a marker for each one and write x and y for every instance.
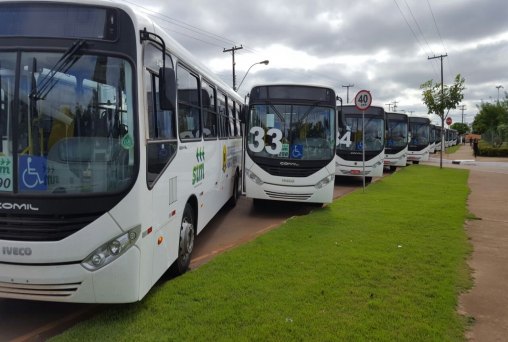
(323, 182)
(111, 250)
(254, 178)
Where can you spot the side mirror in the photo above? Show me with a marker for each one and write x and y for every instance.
(167, 89)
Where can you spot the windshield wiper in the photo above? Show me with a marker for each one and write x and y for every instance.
(62, 65)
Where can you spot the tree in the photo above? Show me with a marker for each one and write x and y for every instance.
(492, 122)
(440, 99)
(461, 128)
(490, 115)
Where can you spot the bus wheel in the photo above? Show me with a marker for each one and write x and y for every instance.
(393, 168)
(186, 243)
(368, 179)
(236, 192)
(416, 162)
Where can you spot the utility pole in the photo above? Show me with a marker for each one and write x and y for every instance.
(462, 108)
(232, 50)
(442, 108)
(389, 106)
(499, 86)
(347, 95)
(395, 105)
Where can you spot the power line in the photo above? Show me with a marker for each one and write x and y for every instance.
(435, 25)
(182, 24)
(189, 27)
(418, 26)
(192, 37)
(407, 23)
(412, 31)
(440, 38)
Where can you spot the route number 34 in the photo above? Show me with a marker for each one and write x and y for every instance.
(345, 139)
(259, 140)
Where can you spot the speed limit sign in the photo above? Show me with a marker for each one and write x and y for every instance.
(363, 99)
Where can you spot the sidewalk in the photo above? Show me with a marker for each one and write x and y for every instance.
(487, 301)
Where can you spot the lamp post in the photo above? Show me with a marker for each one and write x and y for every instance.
(265, 62)
(499, 86)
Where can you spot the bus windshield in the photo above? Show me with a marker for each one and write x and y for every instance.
(396, 133)
(288, 131)
(71, 128)
(419, 133)
(351, 135)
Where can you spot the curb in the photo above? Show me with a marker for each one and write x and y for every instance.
(464, 162)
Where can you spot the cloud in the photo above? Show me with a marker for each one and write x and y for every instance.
(378, 45)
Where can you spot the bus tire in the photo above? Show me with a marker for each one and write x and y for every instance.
(368, 180)
(416, 162)
(186, 241)
(258, 204)
(236, 192)
(393, 168)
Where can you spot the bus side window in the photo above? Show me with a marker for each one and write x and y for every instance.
(231, 118)
(210, 116)
(238, 128)
(162, 143)
(189, 110)
(223, 120)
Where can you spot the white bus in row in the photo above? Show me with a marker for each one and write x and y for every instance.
(290, 143)
(118, 147)
(355, 129)
(397, 139)
(419, 144)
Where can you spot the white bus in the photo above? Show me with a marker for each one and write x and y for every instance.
(438, 138)
(396, 143)
(290, 144)
(119, 148)
(432, 138)
(419, 144)
(349, 158)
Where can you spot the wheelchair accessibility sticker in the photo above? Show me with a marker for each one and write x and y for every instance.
(32, 173)
(297, 151)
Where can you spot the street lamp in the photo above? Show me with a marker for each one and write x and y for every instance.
(499, 86)
(265, 62)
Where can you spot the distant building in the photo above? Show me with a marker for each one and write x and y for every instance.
(471, 136)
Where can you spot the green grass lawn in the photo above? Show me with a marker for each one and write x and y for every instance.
(452, 149)
(383, 265)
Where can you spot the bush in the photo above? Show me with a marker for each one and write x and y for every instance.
(487, 150)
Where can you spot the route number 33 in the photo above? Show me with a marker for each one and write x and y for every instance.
(259, 140)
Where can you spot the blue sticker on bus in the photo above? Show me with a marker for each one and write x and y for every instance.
(32, 172)
(297, 151)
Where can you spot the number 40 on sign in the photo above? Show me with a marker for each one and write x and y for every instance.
(363, 99)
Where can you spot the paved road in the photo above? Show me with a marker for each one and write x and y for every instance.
(35, 321)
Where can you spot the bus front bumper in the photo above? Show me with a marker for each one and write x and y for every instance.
(117, 282)
(309, 194)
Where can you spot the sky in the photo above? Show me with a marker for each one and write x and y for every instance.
(378, 45)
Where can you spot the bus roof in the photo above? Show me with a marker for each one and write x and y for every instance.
(297, 92)
(393, 115)
(372, 110)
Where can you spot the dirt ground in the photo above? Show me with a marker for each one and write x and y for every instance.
(487, 302)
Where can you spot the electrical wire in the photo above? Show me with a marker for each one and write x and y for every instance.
(414, 34)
